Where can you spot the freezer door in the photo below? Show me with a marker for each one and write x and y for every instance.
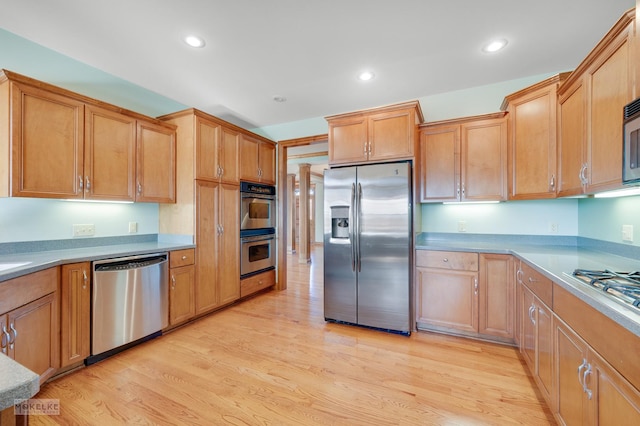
(384, 280)
(340, 297)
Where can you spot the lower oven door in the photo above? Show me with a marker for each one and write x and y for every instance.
(257, 254)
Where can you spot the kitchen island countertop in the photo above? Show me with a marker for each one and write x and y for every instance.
(556, 259)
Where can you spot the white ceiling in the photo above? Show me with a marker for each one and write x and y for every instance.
(311, 51)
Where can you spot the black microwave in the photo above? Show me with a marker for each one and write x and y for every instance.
(631, 144)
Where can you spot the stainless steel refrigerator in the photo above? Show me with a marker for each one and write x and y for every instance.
(368, 238)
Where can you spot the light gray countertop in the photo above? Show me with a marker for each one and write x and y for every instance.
(37, 261)
(556, 262)
(16, 382)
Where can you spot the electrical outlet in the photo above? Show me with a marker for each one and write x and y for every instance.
(553, 228)
(462, 226)
(86, 230)
(133, 227)
(627, 233)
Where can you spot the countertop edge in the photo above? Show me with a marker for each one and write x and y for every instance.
(16, 382)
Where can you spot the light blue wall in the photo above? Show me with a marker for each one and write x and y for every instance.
(602, 218)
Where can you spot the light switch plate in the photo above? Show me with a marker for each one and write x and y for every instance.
(627, 233)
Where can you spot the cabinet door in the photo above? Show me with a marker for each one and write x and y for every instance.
(75, 306)
(182, 294)
(109, 155)
(37, 336)
(156, 163)
(448, 299)
(47, 144)
(570, 357)
(391, 135)
(496, 296)
(207, 159)
(610, 90)
(229, 146)
(348, 141)
(206, 292)
(528, 343)
(249, 153)
(571, 155)
(267, 156)
(484, 160)
(544, 349)
(228, 255)
(440, 163)
(615, 400)
(532, 143)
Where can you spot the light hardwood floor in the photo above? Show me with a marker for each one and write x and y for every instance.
(272, 360)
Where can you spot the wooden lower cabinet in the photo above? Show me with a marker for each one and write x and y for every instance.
(75, 308)
(536, 344)
(30, 321)
(467, 293)
(182, 302)
(257, 282)
(589, 390)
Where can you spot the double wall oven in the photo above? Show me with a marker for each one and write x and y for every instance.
(257, 228)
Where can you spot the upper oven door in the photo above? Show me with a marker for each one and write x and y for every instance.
(257, 211)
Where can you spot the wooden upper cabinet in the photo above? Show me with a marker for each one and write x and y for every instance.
(216, 152)
(46, 131)
(109, 155)
(464, 159)
(257, 160)
(591, 113)
(381, 134)
(532, 140)
(156, 163)
(65, 145)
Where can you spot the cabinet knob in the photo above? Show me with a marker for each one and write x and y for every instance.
(445, 260)
(184, 257)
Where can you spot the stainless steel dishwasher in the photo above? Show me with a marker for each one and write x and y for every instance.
(129, 302)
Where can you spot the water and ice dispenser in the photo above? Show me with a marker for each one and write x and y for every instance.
(340, 222)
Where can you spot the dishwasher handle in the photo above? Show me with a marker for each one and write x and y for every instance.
(134, 262)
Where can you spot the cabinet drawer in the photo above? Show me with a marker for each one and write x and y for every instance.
(180, 258)
(27, 288)
(447, 260)
(257, 282)
(540, 285)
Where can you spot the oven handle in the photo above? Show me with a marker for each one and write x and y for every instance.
(259, 196)
(257, 238)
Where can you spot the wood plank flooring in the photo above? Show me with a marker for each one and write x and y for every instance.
(272, 360)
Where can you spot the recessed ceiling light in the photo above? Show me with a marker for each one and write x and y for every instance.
(194, 41)
(280, 99)
(495, 45)
(366, 76)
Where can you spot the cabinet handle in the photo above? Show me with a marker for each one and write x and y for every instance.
(87, 187)
(532, 309)
(365, 148)
(139, 188)
(552, 184)
(583, 174)
(80, 183)
(173, 282)
(475, 286)
(221, 171)
(85, 278)
(532, 280)
(369, 147)
(463, 189)
(5, 338)
(586, 373)
(15, 334)
(519, 275)
(458, 189)
(580, 368)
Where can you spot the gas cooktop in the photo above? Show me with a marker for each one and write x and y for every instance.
(623, 287)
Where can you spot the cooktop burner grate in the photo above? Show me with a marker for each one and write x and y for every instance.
(622, 286)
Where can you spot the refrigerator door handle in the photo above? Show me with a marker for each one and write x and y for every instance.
(359, 226)
(352, 229)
